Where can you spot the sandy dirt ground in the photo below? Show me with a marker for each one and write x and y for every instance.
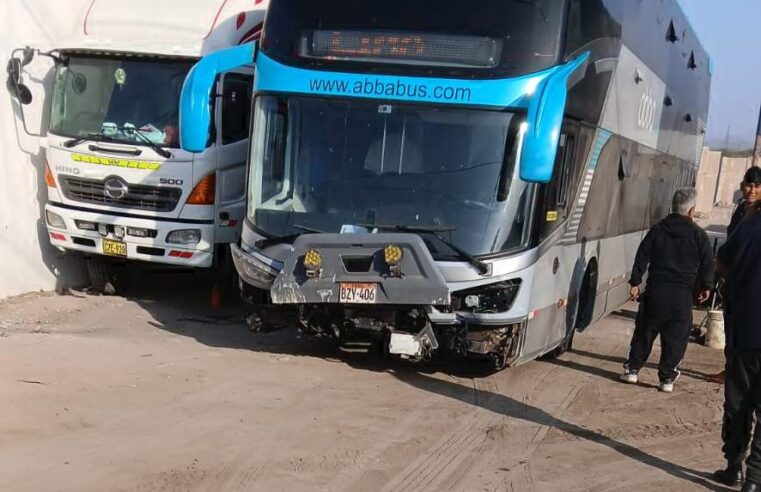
(157, 392)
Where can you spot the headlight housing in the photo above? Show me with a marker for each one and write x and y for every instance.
(55, 220)
(184, 236)
(492, 298)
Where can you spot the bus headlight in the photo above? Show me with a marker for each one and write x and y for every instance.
(184, 236)
(493, 298)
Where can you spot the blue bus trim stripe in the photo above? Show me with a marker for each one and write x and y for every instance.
(273, 76)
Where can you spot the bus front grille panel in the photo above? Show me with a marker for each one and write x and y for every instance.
(142, 197)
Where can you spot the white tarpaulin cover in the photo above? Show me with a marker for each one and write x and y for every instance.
(27, 261)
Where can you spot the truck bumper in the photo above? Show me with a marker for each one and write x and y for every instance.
(149, 249)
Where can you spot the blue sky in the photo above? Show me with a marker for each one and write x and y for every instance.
(731, 32)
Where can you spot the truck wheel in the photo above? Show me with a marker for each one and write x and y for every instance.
(103, 278)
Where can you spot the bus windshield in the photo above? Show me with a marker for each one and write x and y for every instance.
(118, 98)
(322, 165)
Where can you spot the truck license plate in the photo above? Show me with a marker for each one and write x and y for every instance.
(114, 248)
(354, 293)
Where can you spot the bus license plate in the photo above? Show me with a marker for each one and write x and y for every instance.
(353, 293)
(114, 248)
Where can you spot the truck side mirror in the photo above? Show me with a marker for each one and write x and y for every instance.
(545, 117)
(14, 85)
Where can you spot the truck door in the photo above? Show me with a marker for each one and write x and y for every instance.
(232, 120)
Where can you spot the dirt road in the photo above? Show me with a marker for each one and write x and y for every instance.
(152, 393)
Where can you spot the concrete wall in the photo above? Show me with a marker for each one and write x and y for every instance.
(708, 174)
(27, 262)
(732, 172)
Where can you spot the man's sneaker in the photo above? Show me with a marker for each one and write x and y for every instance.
(731, 476)
(666, 386)
(630, 376)
(749, 486)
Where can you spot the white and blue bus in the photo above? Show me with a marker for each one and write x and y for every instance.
(469, 180)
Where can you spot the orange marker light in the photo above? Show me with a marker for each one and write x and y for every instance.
(49, 179)
(204, 192)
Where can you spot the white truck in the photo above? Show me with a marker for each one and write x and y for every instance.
(119, 186)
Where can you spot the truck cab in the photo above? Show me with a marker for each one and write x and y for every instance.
(119, 186)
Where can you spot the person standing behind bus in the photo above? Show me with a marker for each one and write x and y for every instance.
(675, 253)
(740, 261)
(751, 194)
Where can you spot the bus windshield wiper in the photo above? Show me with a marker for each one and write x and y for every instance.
(479, 265)
(288, 238)
(95, 137)
(162, 152)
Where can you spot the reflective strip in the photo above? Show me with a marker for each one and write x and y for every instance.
(113, 162)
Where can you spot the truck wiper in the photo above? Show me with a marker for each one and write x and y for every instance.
(95, 137)
(479, 265)
(162, 152)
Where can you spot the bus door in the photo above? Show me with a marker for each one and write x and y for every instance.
(232, 121)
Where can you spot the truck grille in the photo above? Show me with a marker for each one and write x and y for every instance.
(158, 199)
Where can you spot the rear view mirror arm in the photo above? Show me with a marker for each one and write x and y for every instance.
(20, 57)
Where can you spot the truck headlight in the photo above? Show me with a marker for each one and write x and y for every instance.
(55, 220)
(184, 236)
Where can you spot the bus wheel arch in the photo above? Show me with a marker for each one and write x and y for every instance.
(587, 296)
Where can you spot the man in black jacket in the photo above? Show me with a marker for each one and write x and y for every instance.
(678, 254)
(740, 261)
(751, 191)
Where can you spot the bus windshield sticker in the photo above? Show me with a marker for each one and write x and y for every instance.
(120, 76)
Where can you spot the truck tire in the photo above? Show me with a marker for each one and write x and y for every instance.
(103, 278)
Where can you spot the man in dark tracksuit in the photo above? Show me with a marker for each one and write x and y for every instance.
(678, 253)
(740, 260)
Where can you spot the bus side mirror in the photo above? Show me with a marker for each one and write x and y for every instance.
(195, 100)
(17, 89)
(545, 117)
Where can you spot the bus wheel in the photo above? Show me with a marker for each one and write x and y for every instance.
(564, 347)
(587, 296)
(103, 276)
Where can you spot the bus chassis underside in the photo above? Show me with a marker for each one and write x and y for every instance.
(400, 331)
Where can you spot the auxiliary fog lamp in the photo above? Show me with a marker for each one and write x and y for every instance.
(313, 263)
(393, 256)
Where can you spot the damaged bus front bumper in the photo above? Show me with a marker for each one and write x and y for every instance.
(384, 287)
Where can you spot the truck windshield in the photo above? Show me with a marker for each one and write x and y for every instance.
(324, 164)
(119, 97)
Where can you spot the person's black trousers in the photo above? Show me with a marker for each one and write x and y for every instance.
(742, 398)
(667, 312)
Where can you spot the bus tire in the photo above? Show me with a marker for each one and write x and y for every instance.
(587, 296)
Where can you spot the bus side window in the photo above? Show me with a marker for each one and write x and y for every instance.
(237, 90)
(565, 172)
(557, 192)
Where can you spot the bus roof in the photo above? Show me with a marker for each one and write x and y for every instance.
(167, 27)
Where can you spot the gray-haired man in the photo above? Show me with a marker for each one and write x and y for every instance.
(676, 253)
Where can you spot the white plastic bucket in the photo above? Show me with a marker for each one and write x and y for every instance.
(715, 337)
